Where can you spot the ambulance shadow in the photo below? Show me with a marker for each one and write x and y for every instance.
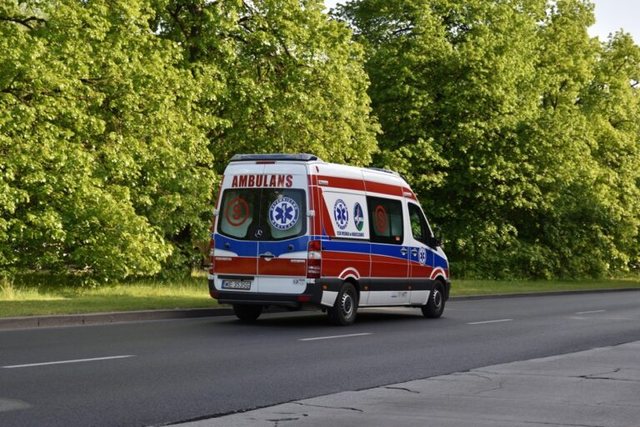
(313, 319)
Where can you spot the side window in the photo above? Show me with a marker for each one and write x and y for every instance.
(419, 227)
(385, 220)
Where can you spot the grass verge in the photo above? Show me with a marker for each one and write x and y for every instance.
(42, 297)
(496, 287)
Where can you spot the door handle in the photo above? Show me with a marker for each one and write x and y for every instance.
(268, 256)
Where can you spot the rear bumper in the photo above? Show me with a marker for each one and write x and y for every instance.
(311, 295)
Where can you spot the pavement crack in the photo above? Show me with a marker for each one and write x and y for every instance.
(346, 408)
(487, 390)
(276, 421)
(475, 374)
(604, 376)
(402, 388)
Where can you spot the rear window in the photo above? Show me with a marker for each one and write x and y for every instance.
(262, 213)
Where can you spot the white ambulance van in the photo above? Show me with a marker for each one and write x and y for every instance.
(291, 230)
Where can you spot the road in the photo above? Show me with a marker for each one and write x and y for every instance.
(160, 372)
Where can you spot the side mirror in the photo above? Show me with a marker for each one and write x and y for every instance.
(434, 242)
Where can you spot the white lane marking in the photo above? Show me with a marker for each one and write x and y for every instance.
(591, 312)
(335, 336)
(62, 362)
(7, 405)
(489, 321)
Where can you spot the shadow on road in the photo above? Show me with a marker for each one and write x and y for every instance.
(316, 319)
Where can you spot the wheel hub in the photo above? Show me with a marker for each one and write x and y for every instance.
(347, 304)
(437, 298)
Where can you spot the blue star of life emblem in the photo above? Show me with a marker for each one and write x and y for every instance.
(283, 213)
(341, 214)
(422, 256)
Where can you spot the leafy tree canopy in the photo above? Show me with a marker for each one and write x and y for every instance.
(514, 126)
(102, 160)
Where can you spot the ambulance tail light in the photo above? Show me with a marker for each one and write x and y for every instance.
(314, 259)
(212, 261)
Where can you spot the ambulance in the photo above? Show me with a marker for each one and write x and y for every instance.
(291, 230)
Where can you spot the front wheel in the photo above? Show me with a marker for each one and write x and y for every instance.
(344, 310)
(247, 312)
(435, 305)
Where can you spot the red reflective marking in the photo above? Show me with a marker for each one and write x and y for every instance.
(334, 263)
(361, 185)
(381, 222)
(386, 266)
(236, 265)
(237, 211)
(337, 182)
(317, 201)
(349, 272)
(412, 196)
(376, 187)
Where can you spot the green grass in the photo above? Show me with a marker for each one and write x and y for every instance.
(42, 295)
(492, 287)
(42, 298)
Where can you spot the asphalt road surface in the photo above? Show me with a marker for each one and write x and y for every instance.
(162, 372)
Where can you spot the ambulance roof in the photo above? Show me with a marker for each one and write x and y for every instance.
(321, 167)
(303, 157)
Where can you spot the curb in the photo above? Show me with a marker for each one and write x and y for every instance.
(10, 323)
(32, 322)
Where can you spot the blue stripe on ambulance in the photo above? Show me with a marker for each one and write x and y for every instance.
(382, 249)
(249, 248)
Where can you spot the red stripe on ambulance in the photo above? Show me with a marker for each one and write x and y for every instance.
(334, 263)
(236, 265)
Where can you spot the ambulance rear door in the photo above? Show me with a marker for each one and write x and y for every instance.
(282, 232)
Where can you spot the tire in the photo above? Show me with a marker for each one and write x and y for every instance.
(344, 310)
(247, 312)
(435, 305)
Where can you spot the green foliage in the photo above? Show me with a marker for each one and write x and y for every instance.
(518, 131)
(103, 162)
(294, 80)
(113, 112)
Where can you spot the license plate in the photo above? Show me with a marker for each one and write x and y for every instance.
(243, 285)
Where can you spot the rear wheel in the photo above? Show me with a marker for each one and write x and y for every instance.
(247, 312)
(435, 305)
(344, 310)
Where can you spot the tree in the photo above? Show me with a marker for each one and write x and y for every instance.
(491, 110)
(293, 79)
(103, 162)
